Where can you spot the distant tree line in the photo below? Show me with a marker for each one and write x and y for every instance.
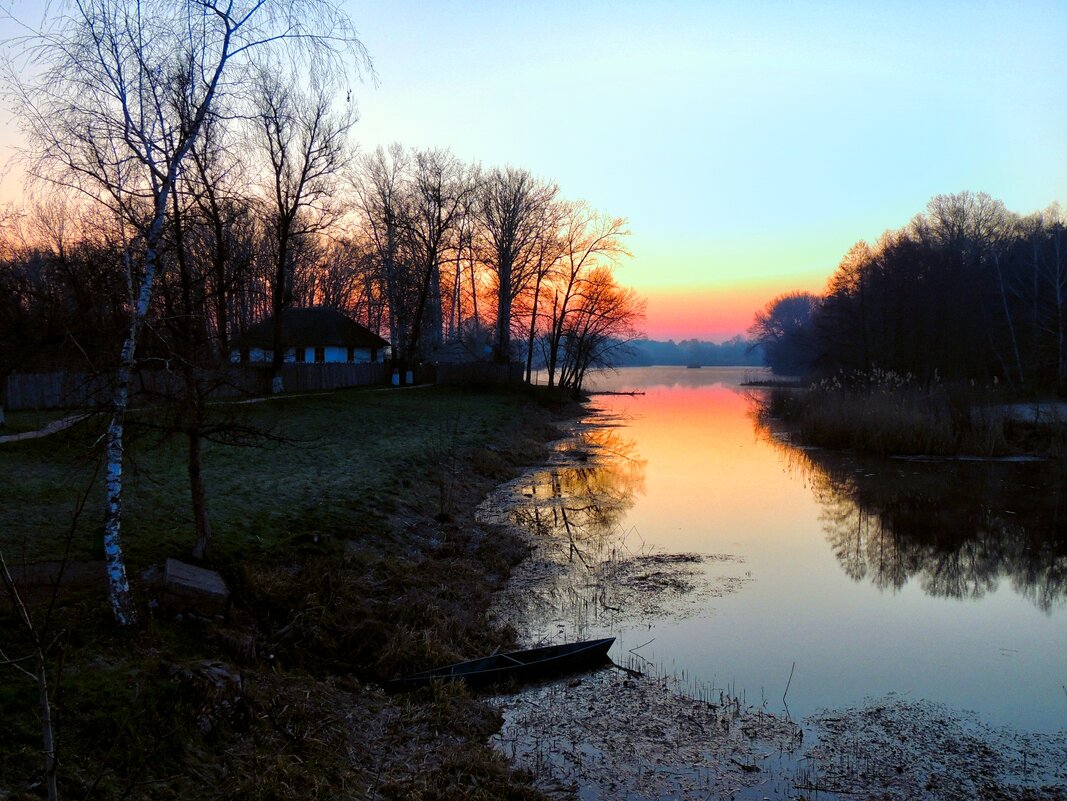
(736, 351)
(966, 291)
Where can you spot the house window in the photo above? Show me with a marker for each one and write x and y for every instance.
(351, 354)
(301, 355)
(320, 355)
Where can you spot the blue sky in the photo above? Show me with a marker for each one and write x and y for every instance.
(749, 144)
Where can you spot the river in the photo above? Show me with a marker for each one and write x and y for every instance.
(800, 580)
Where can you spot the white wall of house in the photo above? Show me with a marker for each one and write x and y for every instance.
(333, 354)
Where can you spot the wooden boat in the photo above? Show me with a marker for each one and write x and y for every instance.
(517, 666)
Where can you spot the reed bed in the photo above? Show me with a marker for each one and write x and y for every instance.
(884, 412)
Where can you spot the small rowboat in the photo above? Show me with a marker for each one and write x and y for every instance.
(517, 666)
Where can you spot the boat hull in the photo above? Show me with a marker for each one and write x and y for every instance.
(518, 666)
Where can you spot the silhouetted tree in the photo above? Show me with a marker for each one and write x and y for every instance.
(784, 329)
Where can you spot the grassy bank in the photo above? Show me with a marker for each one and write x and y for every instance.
(347, 538)
(891, 414)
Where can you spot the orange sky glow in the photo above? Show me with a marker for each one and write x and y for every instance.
(715, 312)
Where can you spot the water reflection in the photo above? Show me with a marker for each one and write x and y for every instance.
(575, 510)
(577, 506)
(956, 528)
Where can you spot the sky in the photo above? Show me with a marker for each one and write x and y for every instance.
(749, 144)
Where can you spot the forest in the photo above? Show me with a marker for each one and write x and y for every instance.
(967, 291)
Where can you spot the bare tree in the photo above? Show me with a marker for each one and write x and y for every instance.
(383, 205)
(549, 249)
(37, 672)
(306, 144)
(224, 225)
(464, 249)
(121, 94)
(511, 204)
(440, 188)
(603, 319)
(589, 240)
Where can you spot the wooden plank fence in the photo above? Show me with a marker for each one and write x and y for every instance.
(319, 377)
(73, 390)
(60, 390)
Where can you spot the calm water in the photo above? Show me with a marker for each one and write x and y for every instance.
(944, 582)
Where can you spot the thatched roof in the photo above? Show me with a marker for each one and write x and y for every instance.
(314, 327)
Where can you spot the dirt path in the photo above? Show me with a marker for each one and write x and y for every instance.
(52, 428)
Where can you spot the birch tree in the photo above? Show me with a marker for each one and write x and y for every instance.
(120, 93)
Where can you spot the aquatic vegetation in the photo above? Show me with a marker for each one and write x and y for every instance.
(887, 412)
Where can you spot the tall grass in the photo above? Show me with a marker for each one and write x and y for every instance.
(885, 412)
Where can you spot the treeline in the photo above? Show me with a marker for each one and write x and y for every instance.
(736, 351)
(279, 212)
(968, 290)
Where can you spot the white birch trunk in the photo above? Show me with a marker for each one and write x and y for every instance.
(118, 583)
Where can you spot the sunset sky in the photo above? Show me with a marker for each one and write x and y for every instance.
(748, 144)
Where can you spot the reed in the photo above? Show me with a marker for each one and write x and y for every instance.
(885, 412)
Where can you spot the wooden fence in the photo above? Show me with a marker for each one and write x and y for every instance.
(318, 377)
(59, 390)
(478, 373)
(72, 390)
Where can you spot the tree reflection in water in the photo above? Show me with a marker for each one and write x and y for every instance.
(956, 527)
(575, 510)
(578, 505)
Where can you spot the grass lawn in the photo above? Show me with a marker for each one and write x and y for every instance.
(348, 539)
(345, 462)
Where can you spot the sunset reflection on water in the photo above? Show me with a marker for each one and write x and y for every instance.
(856, 571)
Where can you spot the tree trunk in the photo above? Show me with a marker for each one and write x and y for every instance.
(279, 303)
(554, 340)
(1010, 320)
(199, 496)
(47, 739)
(118, 585)
(1061, 357)
(455, 318)
(533, 328)
(474, 302)
(503, 311)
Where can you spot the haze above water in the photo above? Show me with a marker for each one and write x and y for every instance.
(937, 581)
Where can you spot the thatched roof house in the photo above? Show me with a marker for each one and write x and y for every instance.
(316, 334)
